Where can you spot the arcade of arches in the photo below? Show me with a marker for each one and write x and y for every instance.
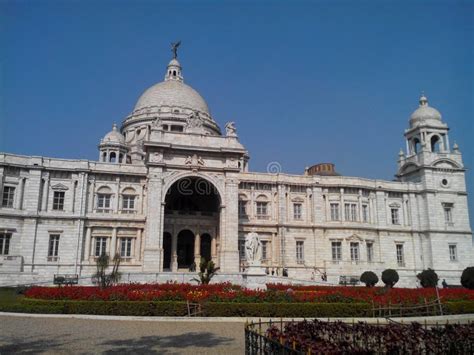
(191, 226)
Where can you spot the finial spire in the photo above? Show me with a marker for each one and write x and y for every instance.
(423, 99)
(174, 49)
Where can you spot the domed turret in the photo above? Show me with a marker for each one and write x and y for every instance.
(425, 114)
(176, 106)
(113, 148)
(114, 136)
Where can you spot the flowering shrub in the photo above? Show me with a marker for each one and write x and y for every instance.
(317, 337)
(226, 292)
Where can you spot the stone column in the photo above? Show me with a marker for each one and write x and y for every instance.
(138, 245)
(117, 195)
(214, 248)
(153, 254)
(91, 196)
(44, 203)
(87, 247)
(343, 208)
(174, 252)
(113, 243)
(327, 206)
(197, 249)
(359, 198)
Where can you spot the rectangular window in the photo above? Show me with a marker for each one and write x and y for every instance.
(100, 246)
(336, 251)
(242, 250)
(297, 211)
(262, 209)
(354, 251)
(242, 208)
(5, 243)
(8, 196)
(370, 252)
(395, 219)
(400, 256)
(334, 212)
(128, 203)
(353, 212)
(365, 213)
(125, 247)
(264, 250)
(300, 252)
(350, 212)
(453, 253)
(103, 203)
(53, 247)
(58, 200)
(448, 212)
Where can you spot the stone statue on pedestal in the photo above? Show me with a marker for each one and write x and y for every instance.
(253, 249)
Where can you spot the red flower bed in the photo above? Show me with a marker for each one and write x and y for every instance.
(226, 292)
(378, 295)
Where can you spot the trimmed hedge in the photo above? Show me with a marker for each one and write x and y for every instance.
(211, 309)
(459, 307)
(174, 308)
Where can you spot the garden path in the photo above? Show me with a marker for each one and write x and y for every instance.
(33, 335)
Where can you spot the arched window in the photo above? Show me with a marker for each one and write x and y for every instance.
(112, 157)
(104, 156)
(129, 200)
(104, 195)
(121, 158)
(261, 206)
(174, 72)
(435, 144)
(416, 145)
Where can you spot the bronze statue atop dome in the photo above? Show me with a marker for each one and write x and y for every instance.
(174, 49)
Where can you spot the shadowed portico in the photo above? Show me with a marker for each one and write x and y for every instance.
(191, 224)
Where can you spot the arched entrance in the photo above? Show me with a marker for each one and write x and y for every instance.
(192, 208)
(206, 241)
(166, 251)
(185, 249)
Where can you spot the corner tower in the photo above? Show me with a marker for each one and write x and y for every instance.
(438, 207)
(429, 157)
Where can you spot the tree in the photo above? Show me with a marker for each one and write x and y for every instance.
(207, 270)
(390, 277)
(428, 278)
(102, 264)
(467, 278)
(369, 278)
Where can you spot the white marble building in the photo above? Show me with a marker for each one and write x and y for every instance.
(170, 187)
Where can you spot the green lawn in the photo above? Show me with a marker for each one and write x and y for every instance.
(9, 296)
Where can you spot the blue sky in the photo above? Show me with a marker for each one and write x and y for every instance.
(305, 81)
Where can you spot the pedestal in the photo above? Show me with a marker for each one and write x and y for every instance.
(255, 277)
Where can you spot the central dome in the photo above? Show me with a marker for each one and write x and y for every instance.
(172, 93)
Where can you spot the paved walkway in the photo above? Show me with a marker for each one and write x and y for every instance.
(83, 334)
(33, 335)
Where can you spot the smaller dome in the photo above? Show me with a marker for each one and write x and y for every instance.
(114, 136)
(425, 113)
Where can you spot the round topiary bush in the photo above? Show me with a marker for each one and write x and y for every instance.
(390, 277)
(428, 278)
(467, 278)
(369, 278)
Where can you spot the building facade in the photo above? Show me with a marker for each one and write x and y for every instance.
(169, 188)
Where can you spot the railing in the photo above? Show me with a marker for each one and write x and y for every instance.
(319, 337)
(432, 308)
(257, 342)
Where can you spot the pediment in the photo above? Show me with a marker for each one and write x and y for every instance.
(446, 164)
(59, 187)
(354, 238)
